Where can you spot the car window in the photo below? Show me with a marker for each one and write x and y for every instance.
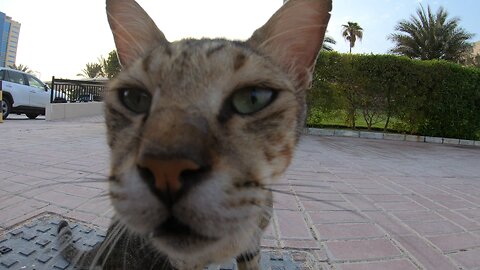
(32, 81)
(15, 77)
(2, 75)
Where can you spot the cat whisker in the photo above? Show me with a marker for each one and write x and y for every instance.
(159, 257)
(120, 229)
(251, 264)
(125, 253)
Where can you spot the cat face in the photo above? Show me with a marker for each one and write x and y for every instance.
(192, 115)
(200, 129)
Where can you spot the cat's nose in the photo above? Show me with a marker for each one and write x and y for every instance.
(169, 178)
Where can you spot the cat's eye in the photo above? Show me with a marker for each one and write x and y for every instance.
(136, 100)
(252, 99)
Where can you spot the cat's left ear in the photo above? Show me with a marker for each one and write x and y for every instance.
(293, 37)
(133, 30)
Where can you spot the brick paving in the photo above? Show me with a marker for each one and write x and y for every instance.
(353, 203)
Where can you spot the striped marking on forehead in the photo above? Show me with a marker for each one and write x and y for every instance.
(239, 61)
(238, 54)
(190, 47)
(164, 50)
(212, 50)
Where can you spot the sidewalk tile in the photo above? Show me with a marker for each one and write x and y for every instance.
(79, 191)
(292, 225)
(426, 203)
(326, 205)
(348, 231)
(19, 210)
(453, 242)
(389, 224)
(418, 215)
(434, 227)
(471, 225)
(285, 201)
(299, 244)
(362, 249)
(326, 217)
(79, 215)
(9, 200)
(400, 206)
(471, 213)
(400, 264)
(360, 202)
(424, 253)
(61, 199)
(457, 204)
(386, 198)
(13, 187)
(468, 259)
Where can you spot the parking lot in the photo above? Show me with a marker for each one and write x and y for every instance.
(352, 203)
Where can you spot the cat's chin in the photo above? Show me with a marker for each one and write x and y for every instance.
(180, 236)
(187, 251)
(181, 244)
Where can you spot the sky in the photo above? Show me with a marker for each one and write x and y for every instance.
(58, 37)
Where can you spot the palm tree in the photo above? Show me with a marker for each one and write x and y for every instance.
(23, 68)
(92, 70)
(351, 31)
(431, 36)
(327, 43)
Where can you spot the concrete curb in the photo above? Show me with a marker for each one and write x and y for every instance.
(387, 136)
(67, 111)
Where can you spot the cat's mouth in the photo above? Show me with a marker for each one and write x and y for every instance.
(172, 228)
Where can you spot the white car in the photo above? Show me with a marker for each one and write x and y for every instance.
(23, 93)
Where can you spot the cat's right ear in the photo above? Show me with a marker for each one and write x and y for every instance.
(133, 30)
(293, 37)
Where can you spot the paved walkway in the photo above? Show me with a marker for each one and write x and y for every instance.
(353, 203)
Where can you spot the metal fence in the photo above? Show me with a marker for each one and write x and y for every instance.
(76, 91)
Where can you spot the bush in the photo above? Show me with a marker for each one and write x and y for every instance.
(434, 98)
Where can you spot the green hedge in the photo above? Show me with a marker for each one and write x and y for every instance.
(434, 98)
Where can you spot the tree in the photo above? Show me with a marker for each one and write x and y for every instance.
(92, 70)
(327, 43)
(23, 68)
(111, 66)
(429, 36)
(351, 31)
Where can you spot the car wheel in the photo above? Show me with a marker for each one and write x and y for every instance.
(6, 108)
(32, 115)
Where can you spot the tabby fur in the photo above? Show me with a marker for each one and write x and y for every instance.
(228, 203)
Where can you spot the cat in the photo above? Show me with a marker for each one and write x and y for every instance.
(199, 130)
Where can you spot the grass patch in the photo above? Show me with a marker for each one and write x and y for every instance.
(318, 119)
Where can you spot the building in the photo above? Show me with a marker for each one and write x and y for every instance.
(9, 34)
(476, 48)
